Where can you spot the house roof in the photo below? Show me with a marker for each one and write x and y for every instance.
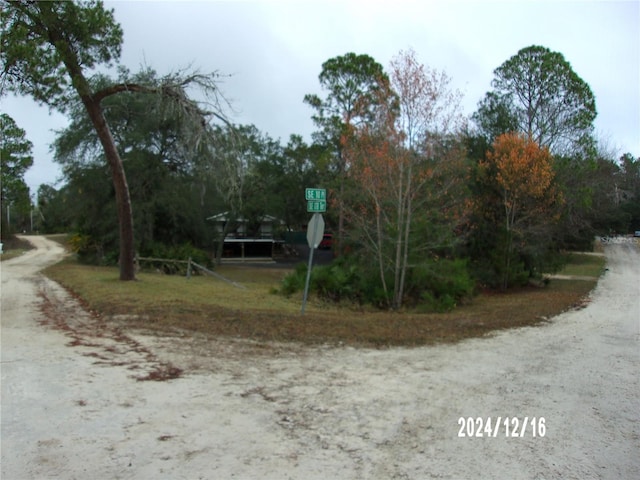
(224, 217)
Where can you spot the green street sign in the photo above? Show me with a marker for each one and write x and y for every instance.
(315, 194)
(316, 206)
(316, 199)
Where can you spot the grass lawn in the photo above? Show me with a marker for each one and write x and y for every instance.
(210, 306)
(583, 265)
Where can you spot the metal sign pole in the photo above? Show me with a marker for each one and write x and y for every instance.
(312, 247)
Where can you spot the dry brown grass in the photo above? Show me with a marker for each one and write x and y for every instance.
(213, 307)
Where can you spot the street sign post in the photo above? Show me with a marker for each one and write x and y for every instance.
(318, 206)
(316, 203)
(315, 232)
(315, 193)
(316, 199)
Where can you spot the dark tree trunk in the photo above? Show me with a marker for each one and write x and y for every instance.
(123, 200)
(56, 36)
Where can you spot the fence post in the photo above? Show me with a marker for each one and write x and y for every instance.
(189, 269)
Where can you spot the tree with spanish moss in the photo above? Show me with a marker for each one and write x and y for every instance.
(49, 50)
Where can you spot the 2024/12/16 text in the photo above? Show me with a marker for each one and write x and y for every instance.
(511, 427)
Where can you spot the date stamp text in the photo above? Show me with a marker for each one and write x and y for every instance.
(510, 427)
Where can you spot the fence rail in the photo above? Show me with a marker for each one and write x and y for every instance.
(190, 266)
(214, 274)
(164, 260)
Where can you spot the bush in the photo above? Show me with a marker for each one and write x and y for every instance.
(435, 285)
(431, 303)
(79, 242)
(175, 252)
(338, 281)
(105, 251)
(335, 282)
(439, 284)
(491, 270)
(92, 251)
(294, 282)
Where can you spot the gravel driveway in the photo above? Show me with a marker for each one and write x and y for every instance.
(560, 401)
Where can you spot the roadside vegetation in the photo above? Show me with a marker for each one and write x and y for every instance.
(427, 206)
(170, 304)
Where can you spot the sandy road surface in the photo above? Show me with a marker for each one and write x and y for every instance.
(73, 408)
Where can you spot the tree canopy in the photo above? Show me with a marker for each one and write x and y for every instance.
(353, 84)
(538, 93)
(406, 167)
(15, 159)
(48, 51)
(48, 46)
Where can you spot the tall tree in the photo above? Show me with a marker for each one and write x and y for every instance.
(537, 92)
(429, 112)
(168, 168)
(47, 51)
(523, 175)
(15, 159)
(407, 167)
(159, 180)
(352, 83)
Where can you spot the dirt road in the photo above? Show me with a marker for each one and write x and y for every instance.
(72, 406)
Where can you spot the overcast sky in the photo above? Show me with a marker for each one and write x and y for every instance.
(273, 52)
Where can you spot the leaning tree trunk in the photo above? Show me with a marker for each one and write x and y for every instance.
(91, 102)
(123, 200)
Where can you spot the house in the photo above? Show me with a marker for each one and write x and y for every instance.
(247, 239)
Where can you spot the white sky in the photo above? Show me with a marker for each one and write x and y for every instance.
(274, 49)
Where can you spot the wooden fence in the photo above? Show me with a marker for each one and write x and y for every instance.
(190, 266)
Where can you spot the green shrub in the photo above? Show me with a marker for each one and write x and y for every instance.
(92, 251)
(430, 303)
(435, 285)
(336, 281)
(439, 284)
(294, 282)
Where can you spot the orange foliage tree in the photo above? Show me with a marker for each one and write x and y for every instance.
(523, 174)
(406, 166)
